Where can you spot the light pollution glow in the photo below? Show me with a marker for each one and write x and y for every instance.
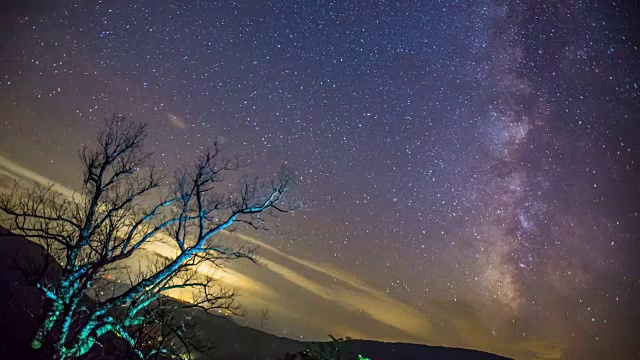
(313, 299)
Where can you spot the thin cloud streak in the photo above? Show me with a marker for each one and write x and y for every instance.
(347, 292)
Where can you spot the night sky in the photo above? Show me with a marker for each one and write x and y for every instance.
(469, 169)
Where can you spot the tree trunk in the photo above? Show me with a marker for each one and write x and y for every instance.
(50, 318)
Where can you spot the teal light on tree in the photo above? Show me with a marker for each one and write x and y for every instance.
(110, 220)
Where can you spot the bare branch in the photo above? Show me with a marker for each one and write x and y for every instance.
(97, 237)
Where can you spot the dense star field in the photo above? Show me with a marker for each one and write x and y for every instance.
(478, 162)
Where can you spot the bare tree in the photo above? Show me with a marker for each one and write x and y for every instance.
(263, 317)
(167, 333)
(94, 232)
(332, 350)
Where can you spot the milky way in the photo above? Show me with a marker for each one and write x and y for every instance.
(476, 162)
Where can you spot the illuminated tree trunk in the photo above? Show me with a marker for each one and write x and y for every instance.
(85, 340)
(66, 324)
(47, 324)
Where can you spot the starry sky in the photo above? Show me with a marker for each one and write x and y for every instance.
(470, 169)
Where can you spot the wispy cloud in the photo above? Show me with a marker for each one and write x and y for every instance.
(348, 291)
(17, 172)
(330, 300)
